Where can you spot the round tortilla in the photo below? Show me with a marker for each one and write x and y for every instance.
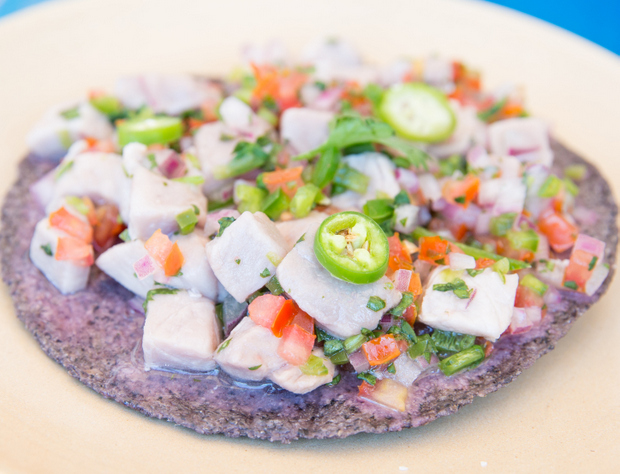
(96, 336)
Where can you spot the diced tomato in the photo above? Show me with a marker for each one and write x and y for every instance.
(411, 314)
(76, 250)
(284, 317)
(461, 191)
(281, 85)
(296, 344)
(92, 214)
(304, 321)
(289, 179)
(559, 231)
(415, 285)
(107, 228)
(458, 231)
(526, 297)
(435, 250)
(174, 261)
(399, 256)
(264, 309)
(72, 225)
(578, 268)
(386, 392)
(381, 349)
(158, 246)
(484, 263)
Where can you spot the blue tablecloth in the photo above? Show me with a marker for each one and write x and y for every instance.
(595, 20)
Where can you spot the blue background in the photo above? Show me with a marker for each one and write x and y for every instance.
(596, 20)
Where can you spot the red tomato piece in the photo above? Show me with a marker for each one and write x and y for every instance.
(76, 250)
(526, 297)
(284, 317)
(174, 261)
(296, 344)
(577, 270)
(461, 191)
(365, 390)
(264, 309)
(381, 349)
(399, 256)
(433, 249)
(415, 285)
(72, 225)
(560, 232)
(107, 227)
(304, 321)
(411, 314)
(484, 263)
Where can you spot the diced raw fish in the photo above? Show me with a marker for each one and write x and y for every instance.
(526, 138)
(305, 129)
(180, 332)
(486, 313)
(156, 201)
(293, 230)
(245, 256)
(291, 378)
(196, 272)
(407, 370)
(53, 134)
(337, 306)
(250, 352)
(63, 274)
(117, 262)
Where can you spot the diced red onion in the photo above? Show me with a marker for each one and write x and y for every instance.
(477, 157)
(424, 216)
(483, 223)
(456, 214)
(359, 361)
(511, 197)
(510, 167)
(590, 245)
(407, 180)
(489, 191)
(460, 261)
(521, 151)
(401, 279)
(173, 166)
(554, 301)
(523, 319)
(599, 274)
(423, 268)
(144, 267)
(471, 298)
(439, 205)
(327, 99)
(136, 303)
(232, 313)
(386, 321)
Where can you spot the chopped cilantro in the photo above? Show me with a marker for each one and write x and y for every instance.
(224, 223)
(592, 263)
(47, 249)
(224, 345)
(570, 284)
(367, 377)
(159, 291)
(256, 367)
(375, 303)
(458, 286)
(265, 273)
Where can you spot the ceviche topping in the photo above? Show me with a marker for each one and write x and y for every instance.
(304, 222)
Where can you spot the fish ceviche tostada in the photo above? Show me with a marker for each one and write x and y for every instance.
(304, 249)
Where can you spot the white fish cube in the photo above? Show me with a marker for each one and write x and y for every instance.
(156, 201)
(293, 230)
(488, 311)
(117, 262)
(196, 272)
(250, 352)
(305, 129)
(180, 332)
(63, 274)
(291, 378)
(245, 256)
(337, 306)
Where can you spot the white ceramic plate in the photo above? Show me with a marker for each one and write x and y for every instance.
(561, 415)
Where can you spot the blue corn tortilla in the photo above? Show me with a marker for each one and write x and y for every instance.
(96, 336)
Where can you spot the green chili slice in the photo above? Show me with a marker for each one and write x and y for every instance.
(352, 247)
(150, 131)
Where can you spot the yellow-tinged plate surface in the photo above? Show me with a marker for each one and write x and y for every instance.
(562, 415)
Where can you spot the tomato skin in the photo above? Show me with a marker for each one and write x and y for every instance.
(296, 344)
(560, 232)
(415, 285)
(304, 321)
(107, 227)
(381, 349)
(284, 317)
(411, 314)
(72, 225)
(76, 250)
(434, 249)
(264, 309)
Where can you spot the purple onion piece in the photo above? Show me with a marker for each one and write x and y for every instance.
(173, 166)
(386, 322)
(136, 303)
(232, 313)
(359, 361)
